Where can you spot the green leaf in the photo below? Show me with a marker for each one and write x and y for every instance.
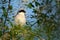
(37, 4)
(34, 10)
(0, 33)
(10, 7)
(4, 12)
(30, 5)
(47, 1)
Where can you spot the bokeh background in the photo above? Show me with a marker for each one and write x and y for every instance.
(42, 16)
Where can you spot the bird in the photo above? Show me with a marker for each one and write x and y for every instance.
(20, 18)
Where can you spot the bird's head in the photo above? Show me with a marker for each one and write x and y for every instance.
(21, 12)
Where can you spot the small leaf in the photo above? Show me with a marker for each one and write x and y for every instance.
(34, 10)
(47, 1)
(0, 33)
(37, 4)
(4, 12)
(10, 7)
(30, 5)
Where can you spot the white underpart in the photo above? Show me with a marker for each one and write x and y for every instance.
(20, 19)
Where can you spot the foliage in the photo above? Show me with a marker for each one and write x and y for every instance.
(47, 20)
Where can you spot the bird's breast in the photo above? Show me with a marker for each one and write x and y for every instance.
(20, 19)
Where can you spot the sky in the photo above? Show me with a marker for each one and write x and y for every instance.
(17, 5)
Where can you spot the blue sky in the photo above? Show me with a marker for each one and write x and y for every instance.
(17, 6)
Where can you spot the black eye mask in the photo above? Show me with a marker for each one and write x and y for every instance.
(21, 11)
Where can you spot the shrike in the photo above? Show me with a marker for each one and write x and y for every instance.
(20, 18)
